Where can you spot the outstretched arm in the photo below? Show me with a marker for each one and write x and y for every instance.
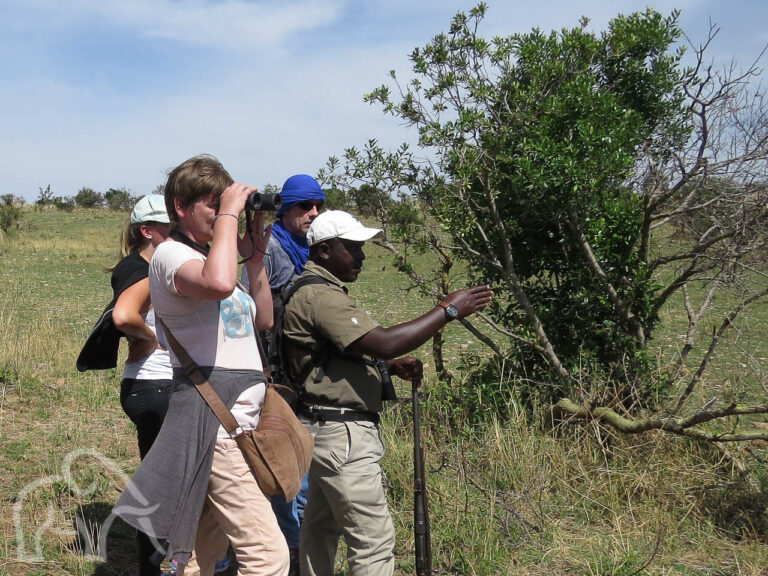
(396, 340)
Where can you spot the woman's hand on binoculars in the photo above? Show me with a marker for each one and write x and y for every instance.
(233, 198)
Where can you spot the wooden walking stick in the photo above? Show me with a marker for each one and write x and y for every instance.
(420, 507)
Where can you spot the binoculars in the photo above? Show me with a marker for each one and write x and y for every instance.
(259, 202)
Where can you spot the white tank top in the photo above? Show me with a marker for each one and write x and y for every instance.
(156, 366)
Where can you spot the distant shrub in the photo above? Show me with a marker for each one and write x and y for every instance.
(66, 203)
(404, 215)
(336, 199)
(10, 213)
(88, 198)
(370, 200)
(119, 199)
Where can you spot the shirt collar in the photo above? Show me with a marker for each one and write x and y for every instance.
(320, 271)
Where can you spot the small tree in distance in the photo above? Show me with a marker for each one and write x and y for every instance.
(10, 212)
(88, 198)
(44, 197)
(336, 199)
(119, 199)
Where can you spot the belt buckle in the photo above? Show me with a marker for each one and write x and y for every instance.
(315, 414)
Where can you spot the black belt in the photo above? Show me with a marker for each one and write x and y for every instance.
(335, 414)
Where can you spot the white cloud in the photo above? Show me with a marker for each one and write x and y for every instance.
(112, 93)
(224, 24)
(231, 23)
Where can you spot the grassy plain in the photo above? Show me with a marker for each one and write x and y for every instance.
(508, 497)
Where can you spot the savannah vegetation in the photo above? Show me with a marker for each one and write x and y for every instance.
(508, 495)
(114, 199)
(590, 179)
(606, 417)
(10, 212)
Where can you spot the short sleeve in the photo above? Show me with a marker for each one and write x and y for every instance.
(338, 318)
(166, 261)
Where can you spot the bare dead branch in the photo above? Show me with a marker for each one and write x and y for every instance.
(694, 317)
(716, 335)
(679, 426)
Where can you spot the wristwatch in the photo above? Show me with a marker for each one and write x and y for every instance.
(451, 312)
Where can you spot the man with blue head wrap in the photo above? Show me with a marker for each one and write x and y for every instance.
(287, 253)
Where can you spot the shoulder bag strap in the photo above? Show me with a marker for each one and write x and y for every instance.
(201, 382)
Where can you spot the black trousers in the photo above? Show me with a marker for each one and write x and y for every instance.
(145, 402)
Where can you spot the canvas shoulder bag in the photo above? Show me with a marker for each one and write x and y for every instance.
(279, 450)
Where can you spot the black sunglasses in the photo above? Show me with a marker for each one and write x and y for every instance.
(308, 204)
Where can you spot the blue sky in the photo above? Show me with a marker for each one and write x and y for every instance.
(104, 93)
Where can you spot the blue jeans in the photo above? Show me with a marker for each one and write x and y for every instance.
(290, 515)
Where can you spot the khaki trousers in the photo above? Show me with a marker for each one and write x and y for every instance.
(346, 498)
(237, 512)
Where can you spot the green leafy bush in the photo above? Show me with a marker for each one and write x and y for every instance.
(89, 198)
(119, 199)
(10, 213)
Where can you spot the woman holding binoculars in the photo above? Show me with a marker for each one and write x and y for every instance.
(194, 492)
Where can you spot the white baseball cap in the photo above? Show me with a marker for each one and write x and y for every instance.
(151, 208)
(338, 224)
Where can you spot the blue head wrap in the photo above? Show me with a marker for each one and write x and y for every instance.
(297, 189)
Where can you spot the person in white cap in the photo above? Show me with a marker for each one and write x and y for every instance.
(148, 376)
(330, 348)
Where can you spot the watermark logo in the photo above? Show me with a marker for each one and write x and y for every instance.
(94, 538)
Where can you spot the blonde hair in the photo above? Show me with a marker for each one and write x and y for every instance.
(131, 241)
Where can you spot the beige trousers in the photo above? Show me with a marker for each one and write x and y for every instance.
(346, 498)
(237, 512)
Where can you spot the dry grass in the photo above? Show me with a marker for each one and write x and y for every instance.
(510, 497)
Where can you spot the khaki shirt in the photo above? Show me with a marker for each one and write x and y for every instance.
(321, 319)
